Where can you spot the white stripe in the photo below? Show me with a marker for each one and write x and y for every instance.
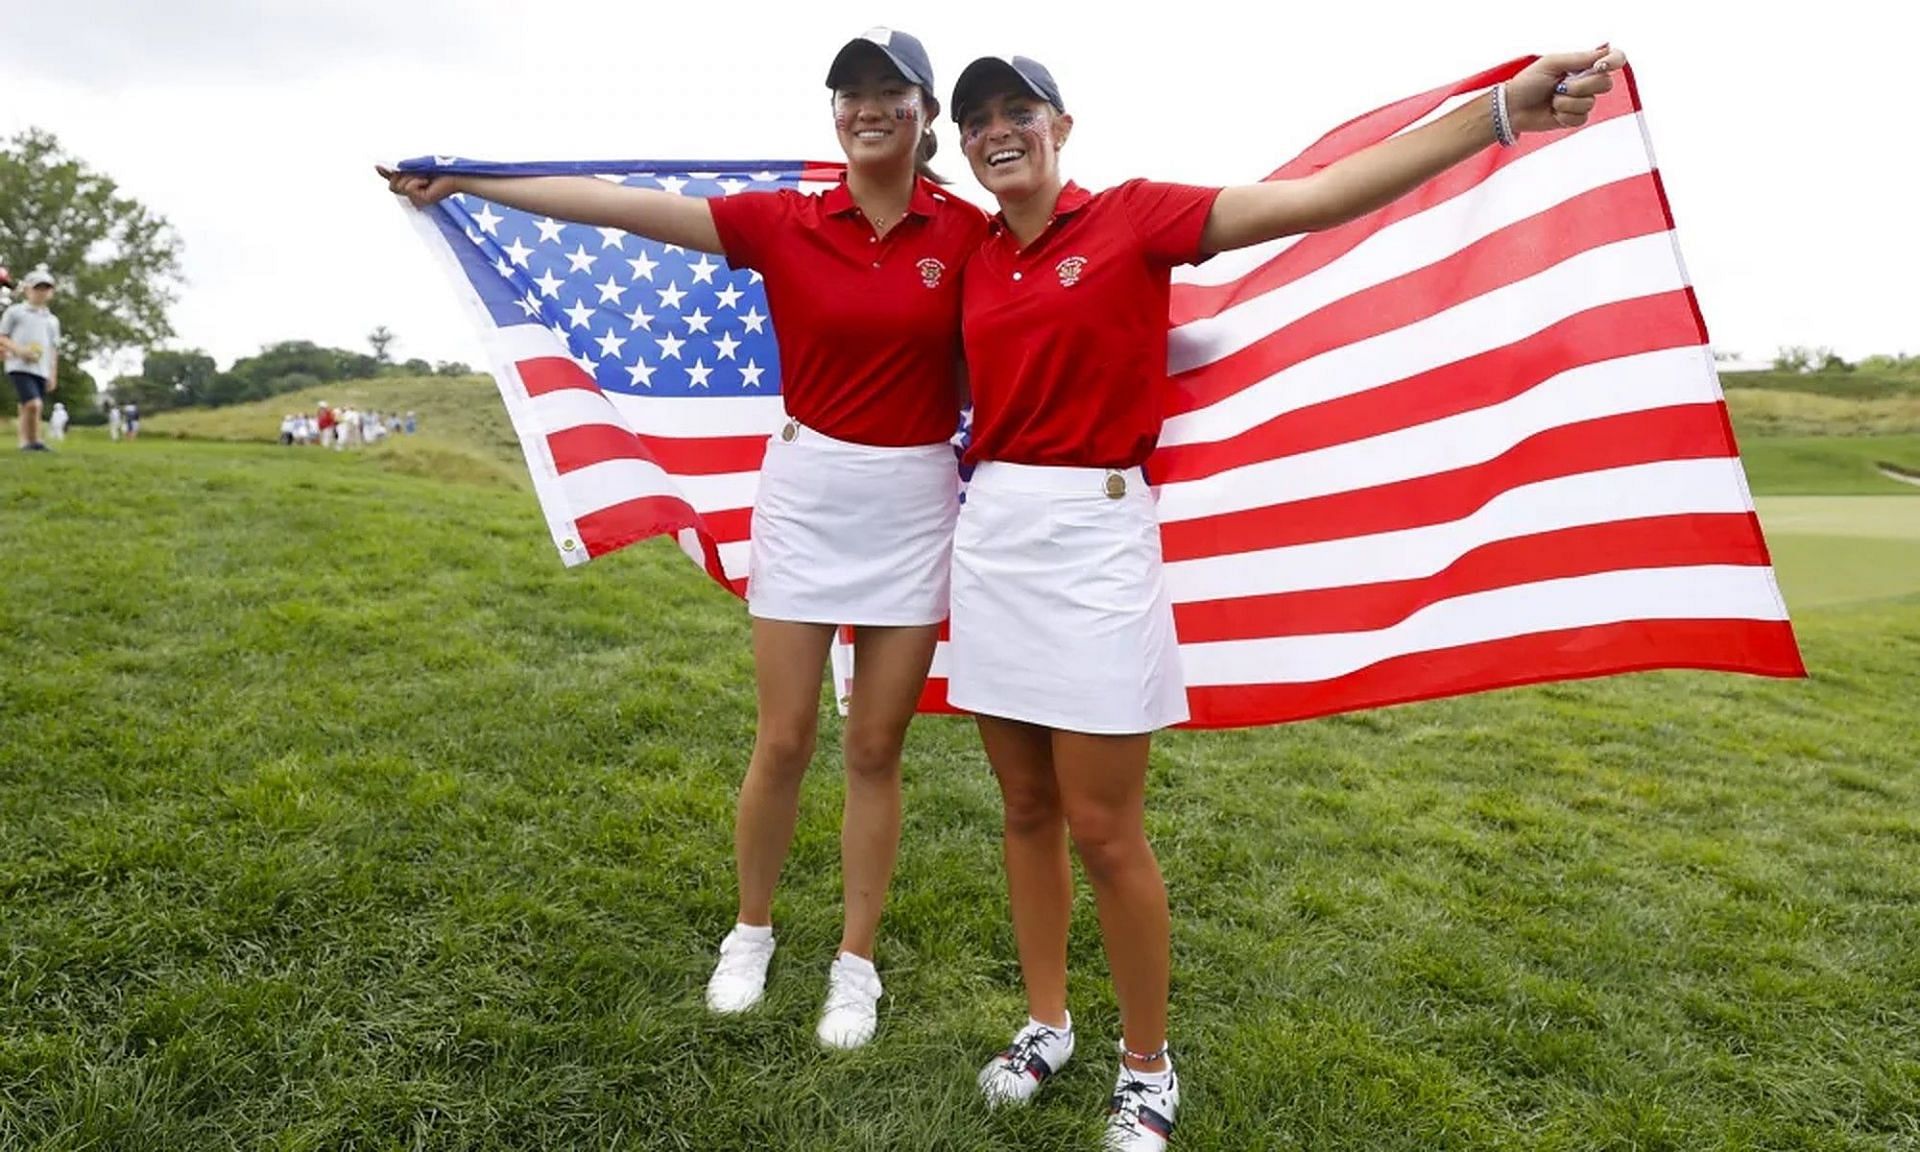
(1669, 488)
(1226, 267)
(1628, 384)
(1607, 152)
(611, 482)
(1708, 592)
(733, 557)
(1626, 270)
(668, 416)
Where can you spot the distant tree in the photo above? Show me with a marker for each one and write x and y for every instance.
(1793, 358)
(116, 262)
(381, 340)
(451, 368)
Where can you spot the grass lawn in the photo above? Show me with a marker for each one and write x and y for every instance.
(335, 813)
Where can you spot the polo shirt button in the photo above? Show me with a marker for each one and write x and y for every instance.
(873, 239)
(876, 263)
(1016, 275)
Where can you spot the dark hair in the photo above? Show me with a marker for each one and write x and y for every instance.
(922, 159)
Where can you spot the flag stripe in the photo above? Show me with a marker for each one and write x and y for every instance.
(1611, 141)
(1653, 380)
(1229, 400)
(1654, 436)
(1658, 489)
(1707, 592)
(1755, 647)
(1628, 328)
(1683, 540)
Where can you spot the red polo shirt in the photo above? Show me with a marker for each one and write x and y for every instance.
(868, 327)
(1067, 338)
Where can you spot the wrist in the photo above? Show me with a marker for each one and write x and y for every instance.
(1500, 117)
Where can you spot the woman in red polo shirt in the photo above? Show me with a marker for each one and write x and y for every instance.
(853, 520)
(1062, 630)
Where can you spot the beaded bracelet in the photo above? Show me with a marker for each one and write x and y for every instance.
(1502, 126)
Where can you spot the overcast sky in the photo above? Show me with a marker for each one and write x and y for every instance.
(1788, 146)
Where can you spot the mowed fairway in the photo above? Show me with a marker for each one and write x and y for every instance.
(335, 813)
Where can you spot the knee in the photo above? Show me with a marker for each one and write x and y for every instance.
(872, 758)
(1030, 812)
(784, 748)
(1108, 843)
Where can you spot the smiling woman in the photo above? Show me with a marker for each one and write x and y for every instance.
(856, 498)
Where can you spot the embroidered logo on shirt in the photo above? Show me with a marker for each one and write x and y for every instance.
(1070, 270)
(930, 272)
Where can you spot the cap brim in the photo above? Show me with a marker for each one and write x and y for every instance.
(987, 76)
(860, 50)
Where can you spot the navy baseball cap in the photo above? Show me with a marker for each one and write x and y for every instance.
(903, 51)
(990, 74)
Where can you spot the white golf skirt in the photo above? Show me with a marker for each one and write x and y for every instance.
(852, 533)
(1061, 615)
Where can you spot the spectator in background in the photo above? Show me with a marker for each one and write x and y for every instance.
(30, 340)
(411, 424)
(132, 417)
(289, 424)
(116, 424)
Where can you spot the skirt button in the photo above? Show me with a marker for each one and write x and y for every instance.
(1116, 485)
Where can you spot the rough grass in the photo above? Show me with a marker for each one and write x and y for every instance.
(335, 813)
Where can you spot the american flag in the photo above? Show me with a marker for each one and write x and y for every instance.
(1472, 440)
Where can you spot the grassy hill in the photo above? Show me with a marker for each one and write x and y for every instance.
(335, 813)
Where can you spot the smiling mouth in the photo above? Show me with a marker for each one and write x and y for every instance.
(1005, 156)
(873, 134)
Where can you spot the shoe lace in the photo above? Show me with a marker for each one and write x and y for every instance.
(1128, 1098)
(1025, 1045)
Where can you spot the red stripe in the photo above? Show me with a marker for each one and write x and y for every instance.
(1650, 542)
(588, 444)
(1683, 432)
(1606, 215)
(1372, 127)
(619, 525)
(1758, 647)
(1317, 250)
(544, 374)
(1626, 328)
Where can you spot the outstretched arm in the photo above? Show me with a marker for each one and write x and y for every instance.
(1553, 92)
(656, 215)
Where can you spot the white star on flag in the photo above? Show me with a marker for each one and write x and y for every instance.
(727, 345)
(671, 295)
(698, 374)
(518, 252)
(703, 271)
(670, 345)
(549, 229)
(641, 372)
(752, 319)
(641, 318)
(697, 321)
(643, 266)
(750, 375)
(579, 313)
(610, 292)
(579, 261)
(610, 344)
(612, 238)
(489, 222)
(672, 184)
(730, 296)
(549, 284)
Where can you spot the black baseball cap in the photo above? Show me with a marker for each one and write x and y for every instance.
(991, 74)
(902, 50)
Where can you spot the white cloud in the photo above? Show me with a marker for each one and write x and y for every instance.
(254, 127)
